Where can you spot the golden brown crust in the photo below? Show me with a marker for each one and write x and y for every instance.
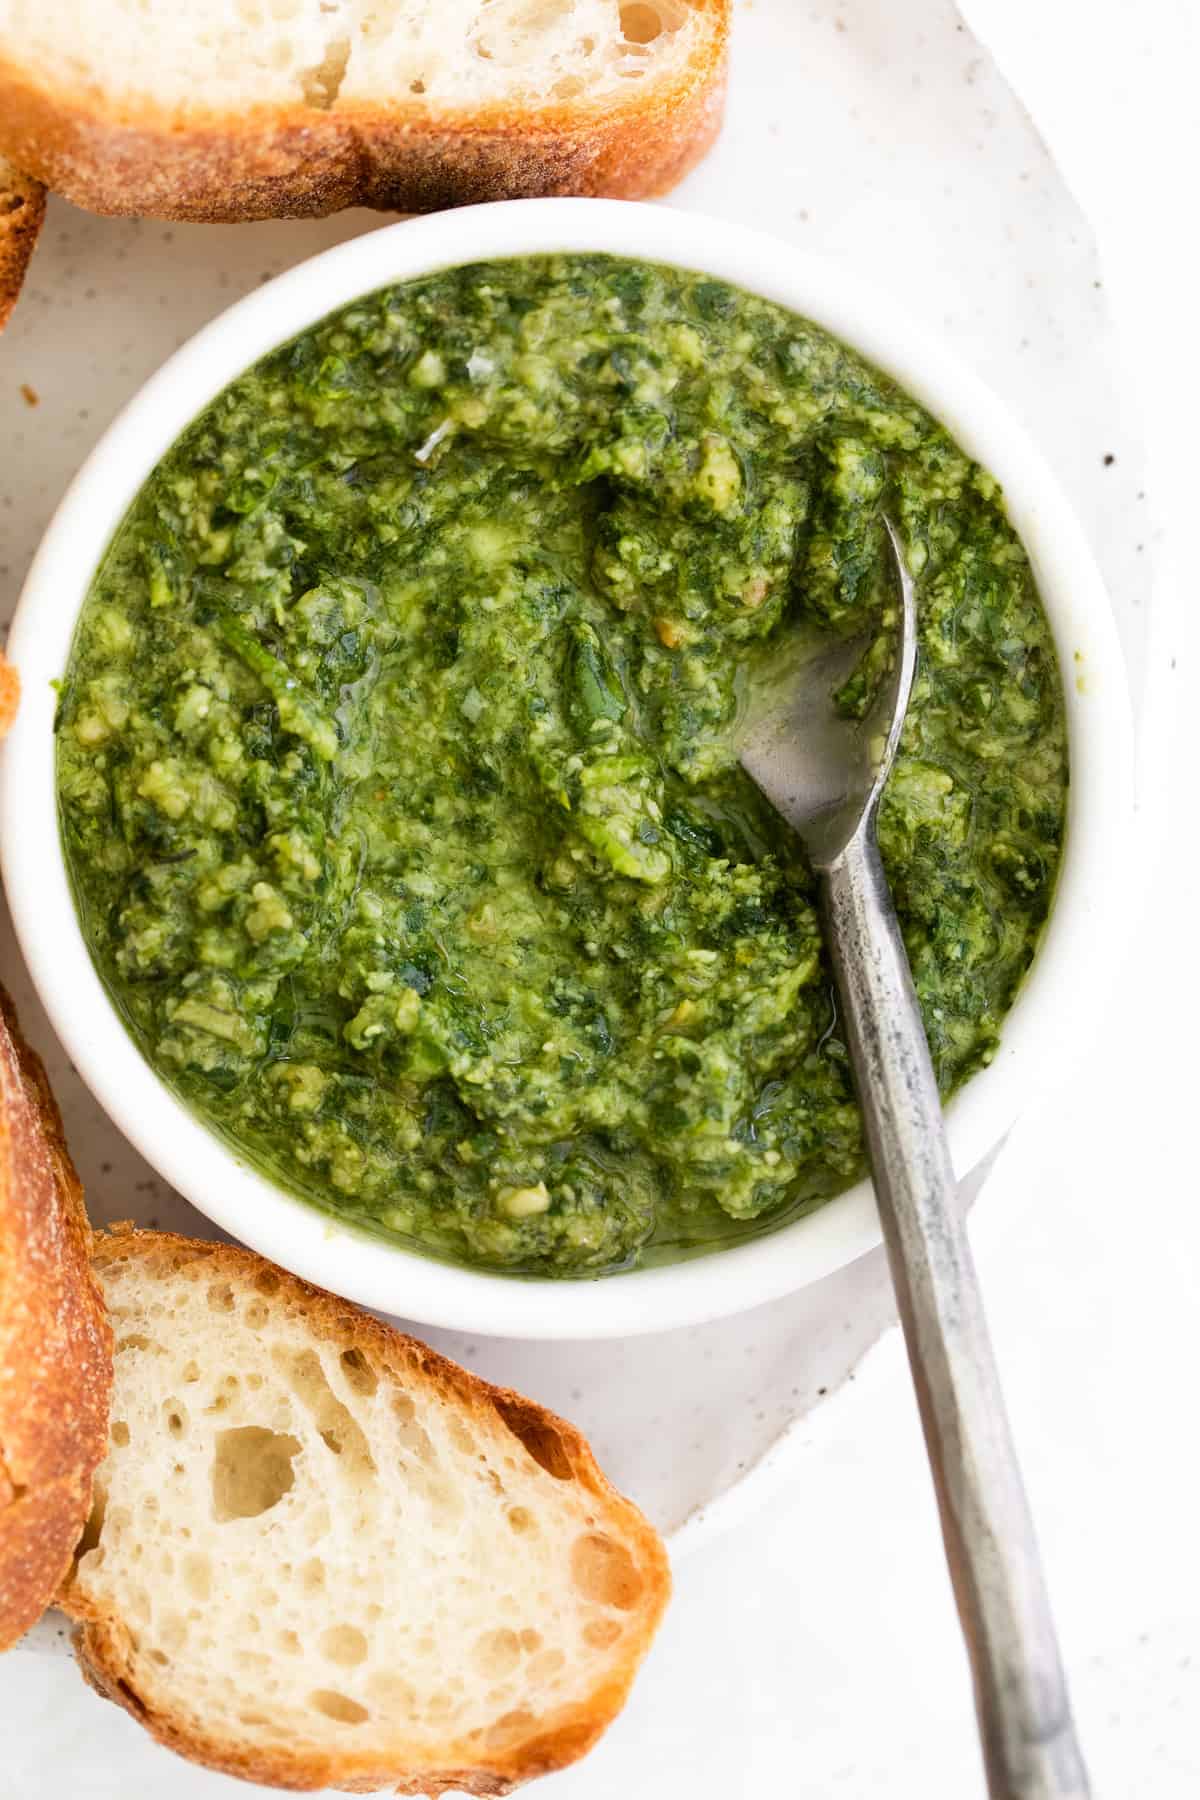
(55, 1343)
(22, 209)
(10, 694)
(106, 1651)
(303, 161)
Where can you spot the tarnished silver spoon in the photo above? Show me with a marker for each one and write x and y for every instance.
(824, 775)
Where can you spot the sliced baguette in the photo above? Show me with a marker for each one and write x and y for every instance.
(55, 1345)
(251, 109)
(22, 209)
(322, 1555)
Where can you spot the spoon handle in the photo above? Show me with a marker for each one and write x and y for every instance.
(1029, 1745)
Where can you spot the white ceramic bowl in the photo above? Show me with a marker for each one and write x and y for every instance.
(1057, 1008)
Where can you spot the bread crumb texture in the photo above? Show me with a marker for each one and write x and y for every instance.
(212, 54)
(322, 1555)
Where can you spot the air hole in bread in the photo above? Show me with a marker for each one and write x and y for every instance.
(569, 88)
(344, 1645)
(335, 1423)
(322, 84)
(604, 1571)
(176, 1417)
(312, 1575)
(195, 1253)
(413, 1436)
(545, 1667)
(531, 1640)
(191, 1371)
(220, 1297)
(416, 87)
(641, 22)
(88, 1544)
(540, 1439)
(392, 1692)
(359, 1373)
(119, 1433)
(252, 1471)
(289, 1643)
(497, 1653)
(339, 1707)
(256, 1315)
(137, 1340)
(511, 1725)
(520, 1520)
(267, 1281)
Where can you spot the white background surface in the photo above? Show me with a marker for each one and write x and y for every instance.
(815, 1650)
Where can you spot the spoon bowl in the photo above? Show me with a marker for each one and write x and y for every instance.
(822, 768)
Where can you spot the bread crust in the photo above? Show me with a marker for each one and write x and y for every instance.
(10, 690)
(22, 210)
(55, 1343)
(105, 1648)
(305, 161)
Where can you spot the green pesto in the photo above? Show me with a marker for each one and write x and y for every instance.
(395, 763)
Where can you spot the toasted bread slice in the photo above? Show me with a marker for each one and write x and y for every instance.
(55, 1345)
(231, 109)
(322, 1555)
(22, 209)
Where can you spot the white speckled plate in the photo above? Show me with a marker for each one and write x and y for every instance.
(880, 136)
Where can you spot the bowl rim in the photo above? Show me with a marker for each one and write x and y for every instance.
(1056, 1010)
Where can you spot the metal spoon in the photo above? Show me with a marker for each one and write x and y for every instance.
(825, 776)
